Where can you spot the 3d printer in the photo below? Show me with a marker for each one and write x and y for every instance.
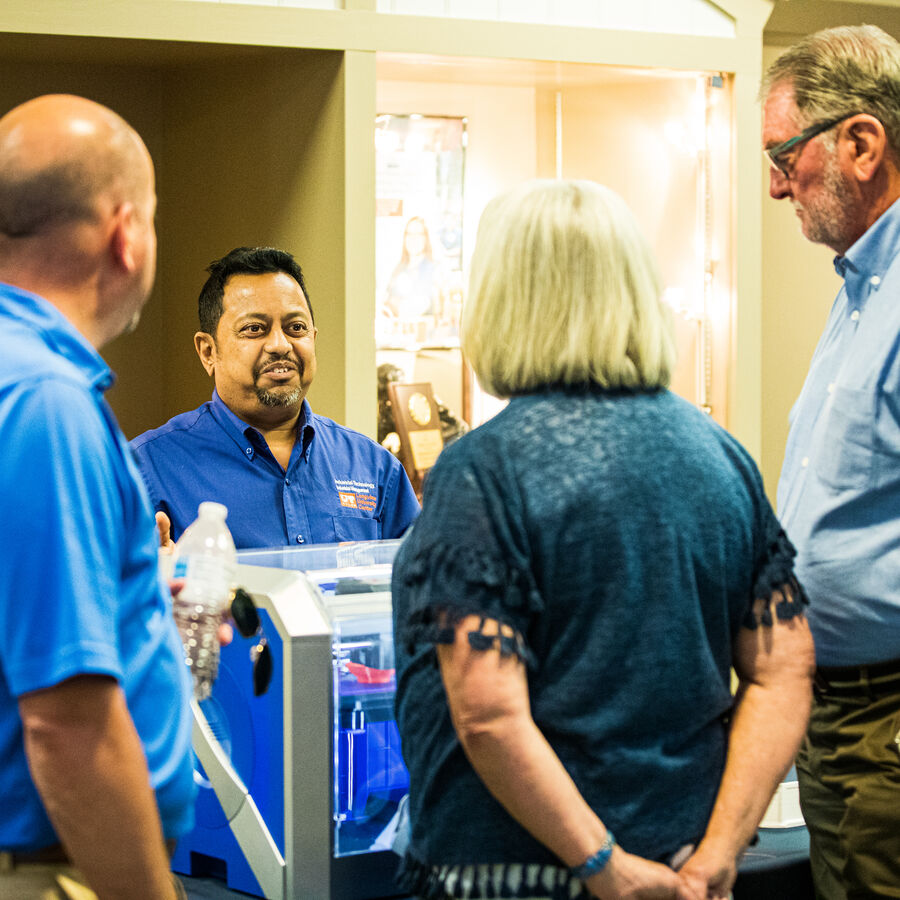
(300, 789)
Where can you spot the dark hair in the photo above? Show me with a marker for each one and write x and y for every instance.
(242, 261)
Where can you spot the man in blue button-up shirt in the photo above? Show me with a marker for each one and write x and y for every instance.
(287, 476)
(832, 135)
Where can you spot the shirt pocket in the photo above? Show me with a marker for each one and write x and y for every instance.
(356, 528)
(844, 455)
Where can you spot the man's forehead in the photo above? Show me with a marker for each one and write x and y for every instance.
(246, 292)
(780, 113)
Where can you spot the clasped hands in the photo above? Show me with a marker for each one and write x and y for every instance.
(630, 877)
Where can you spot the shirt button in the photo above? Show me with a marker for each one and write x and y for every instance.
(287, 481)
(875, 281)
(249, 451)
(299, 538)
(854, 315)
(804, 462)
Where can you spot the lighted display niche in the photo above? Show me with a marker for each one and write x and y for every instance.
(452, 133)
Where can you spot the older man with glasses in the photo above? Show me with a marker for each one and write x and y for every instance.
(832, 136)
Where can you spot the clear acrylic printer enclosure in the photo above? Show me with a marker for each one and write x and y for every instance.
(353, 584)
(300, 786)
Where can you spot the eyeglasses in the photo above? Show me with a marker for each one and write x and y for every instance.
(246, 618)
(773, 154)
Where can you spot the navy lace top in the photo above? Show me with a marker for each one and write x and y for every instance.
(623, 538)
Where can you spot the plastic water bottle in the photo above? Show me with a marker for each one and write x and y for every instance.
(205, 558)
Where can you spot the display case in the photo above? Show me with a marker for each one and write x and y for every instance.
(300, 790)
(259, 116)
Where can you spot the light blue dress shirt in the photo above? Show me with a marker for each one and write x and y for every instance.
(839, 493)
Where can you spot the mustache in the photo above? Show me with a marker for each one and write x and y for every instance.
(283, 359)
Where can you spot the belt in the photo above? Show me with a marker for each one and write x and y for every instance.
(865, 679)
(10, 859)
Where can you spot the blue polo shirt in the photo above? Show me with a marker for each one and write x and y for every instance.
(839, 493)
(339, 485)
(79, 586)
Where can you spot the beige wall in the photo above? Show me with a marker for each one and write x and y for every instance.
(139, 359)
(244, 165)
(249, 149)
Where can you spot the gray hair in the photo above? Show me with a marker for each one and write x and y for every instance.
(841, 72)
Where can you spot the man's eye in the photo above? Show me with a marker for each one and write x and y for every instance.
(784, 160)
(252, 328)
(299, 328)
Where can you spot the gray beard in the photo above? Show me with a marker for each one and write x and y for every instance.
(278, 398)
(827, 218)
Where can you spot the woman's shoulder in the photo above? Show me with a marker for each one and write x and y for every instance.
(720, 448)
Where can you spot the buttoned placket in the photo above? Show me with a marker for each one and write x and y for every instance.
(858, 289)
(296, 515)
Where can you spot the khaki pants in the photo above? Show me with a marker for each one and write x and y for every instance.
(44, 881)
(849, 774)
(52, 881)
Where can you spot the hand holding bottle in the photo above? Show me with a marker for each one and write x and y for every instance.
(205, 559)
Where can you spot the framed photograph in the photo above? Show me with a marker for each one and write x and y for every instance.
(419, 163)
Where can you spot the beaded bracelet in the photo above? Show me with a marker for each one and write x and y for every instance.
(596, 863)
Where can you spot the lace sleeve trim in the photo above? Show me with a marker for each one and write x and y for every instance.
(435, 625)
(447, 582)
(776, 578)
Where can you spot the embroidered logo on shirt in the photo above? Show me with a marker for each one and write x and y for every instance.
(356, 494)
(348, 500)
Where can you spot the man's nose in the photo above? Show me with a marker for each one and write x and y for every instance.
(779, 184)
(277, 342)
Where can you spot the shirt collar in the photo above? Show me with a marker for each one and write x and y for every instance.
(866, 262)
(249, 438)
(58, 333)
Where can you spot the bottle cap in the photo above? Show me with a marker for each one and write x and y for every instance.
(213, 510)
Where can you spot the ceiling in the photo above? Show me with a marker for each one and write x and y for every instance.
(792, 18)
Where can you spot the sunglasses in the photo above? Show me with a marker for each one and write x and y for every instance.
(246, 620)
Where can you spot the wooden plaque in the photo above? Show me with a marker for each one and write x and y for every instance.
(418, 425)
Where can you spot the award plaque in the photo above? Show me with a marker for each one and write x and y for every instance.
(418, 424)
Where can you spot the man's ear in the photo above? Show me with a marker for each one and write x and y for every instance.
(122, 237)
(868, 142)
(205, 345)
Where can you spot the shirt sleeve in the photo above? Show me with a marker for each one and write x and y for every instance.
(144, 462)
(400, 504)
(774, 573)
(466, 555)
(62, 556)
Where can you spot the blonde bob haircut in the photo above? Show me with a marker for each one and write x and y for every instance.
(564, 291)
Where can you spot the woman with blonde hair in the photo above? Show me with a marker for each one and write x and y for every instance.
(586, 568)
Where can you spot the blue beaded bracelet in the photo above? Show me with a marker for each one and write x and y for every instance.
(596, 863)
